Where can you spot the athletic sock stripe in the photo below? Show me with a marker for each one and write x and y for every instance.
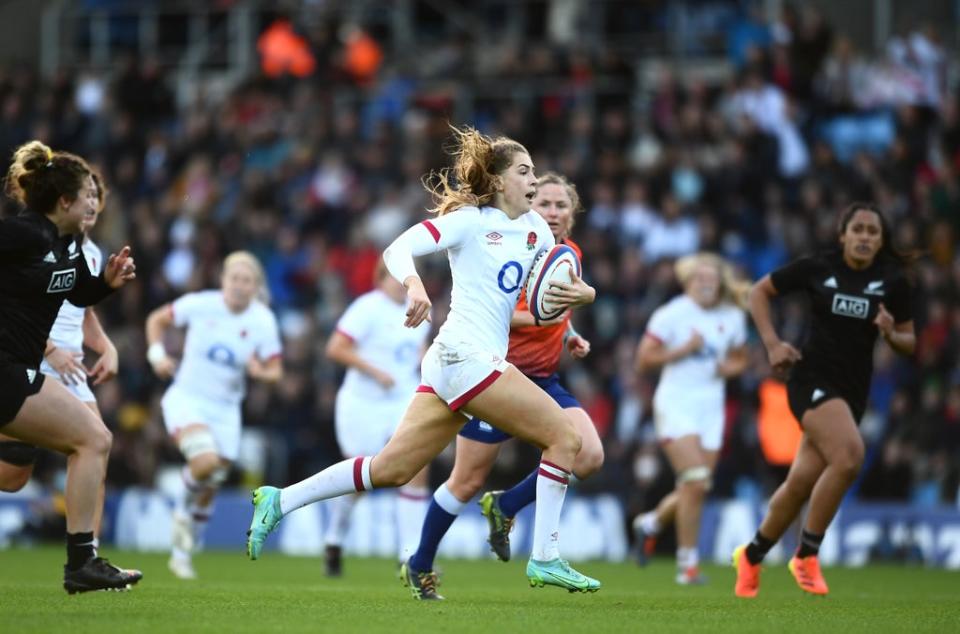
(358, 474)
(560, 473)
(557, 467)
(552, 476)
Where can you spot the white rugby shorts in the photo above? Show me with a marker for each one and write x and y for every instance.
(457, 375)
(690, 416)
(181, 409)
(81, 390)
(365, 425)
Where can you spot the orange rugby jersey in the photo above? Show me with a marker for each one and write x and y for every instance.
(535, 350)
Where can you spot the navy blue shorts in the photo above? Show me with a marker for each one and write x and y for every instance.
(481, 431)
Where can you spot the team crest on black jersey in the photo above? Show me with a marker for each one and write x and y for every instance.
(874, 288)
(850, 306)
(62, 281)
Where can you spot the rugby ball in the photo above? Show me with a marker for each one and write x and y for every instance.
(551, 265)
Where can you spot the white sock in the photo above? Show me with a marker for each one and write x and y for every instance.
(347, 476)
(551, 489)
(448, 501)
(412, 502)
(687, 558)
(201, 517)
(340, 509)
(649, 523)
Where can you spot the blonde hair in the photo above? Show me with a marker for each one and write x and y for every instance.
(38, 177)
(733, 289)
(250, 260)
(552, 178)
(475, 176)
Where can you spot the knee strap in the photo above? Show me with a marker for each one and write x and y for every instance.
(197, 443)
(694, 474)
(19, 454)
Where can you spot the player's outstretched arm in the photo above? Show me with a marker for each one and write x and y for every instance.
(157, 323)
(782, 355)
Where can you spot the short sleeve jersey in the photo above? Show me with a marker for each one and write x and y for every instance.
(723, 327)
(374, 323)
(220, 343)
(535, 350)
(843, 305)
(67, 330)
(490, 256)
(38, 271)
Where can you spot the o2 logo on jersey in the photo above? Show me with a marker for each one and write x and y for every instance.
(850, 306)
(62, 281)
(221, 355)
(510, 277)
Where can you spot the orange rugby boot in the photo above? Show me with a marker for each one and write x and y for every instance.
(748, 574)
(807, 573)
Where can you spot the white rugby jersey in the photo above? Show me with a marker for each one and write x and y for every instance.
(695, 376)
(374, 323)
(220, 343)
(490, 256)
(67, 329)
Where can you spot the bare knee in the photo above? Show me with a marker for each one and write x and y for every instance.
(204, 466)
(848, 460)
(466, 485)
(97, 440)
(14, 479)
(589, 461)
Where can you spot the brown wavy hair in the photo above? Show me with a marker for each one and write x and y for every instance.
(38, 177)
(474, 178)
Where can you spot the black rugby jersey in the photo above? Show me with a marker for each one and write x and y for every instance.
(38, 270)
(843, 304)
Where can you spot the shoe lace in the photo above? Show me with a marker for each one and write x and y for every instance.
(507, 526)
(428, 582)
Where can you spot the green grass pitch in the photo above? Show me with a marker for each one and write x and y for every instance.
(287, 594)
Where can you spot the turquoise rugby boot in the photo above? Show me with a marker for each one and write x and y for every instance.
(558, 572)
(266, 516)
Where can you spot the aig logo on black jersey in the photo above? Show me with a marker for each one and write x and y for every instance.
(850, 306)
(62, 281)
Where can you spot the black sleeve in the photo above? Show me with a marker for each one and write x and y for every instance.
(17, 237)
(88, 290)
(793, 276)
(900, 301)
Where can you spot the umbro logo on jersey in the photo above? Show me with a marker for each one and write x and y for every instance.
(31, 375)
(817, 395)
(874, 288)
(62, 281)
(494, 238)
(850, 306)
(831, 282)
(50, 257)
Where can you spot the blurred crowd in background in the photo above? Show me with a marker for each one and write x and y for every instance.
(314, 164)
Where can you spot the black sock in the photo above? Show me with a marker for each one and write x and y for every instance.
(80, 549)
(758, 548)
(809, 544)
